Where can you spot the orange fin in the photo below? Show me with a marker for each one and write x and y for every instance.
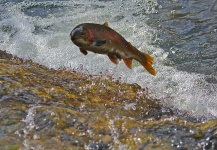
(83, 51)
(128, 62)
(105, 24)
(113, 59)
(148, 64)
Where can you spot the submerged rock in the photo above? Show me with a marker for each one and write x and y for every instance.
(42, 108)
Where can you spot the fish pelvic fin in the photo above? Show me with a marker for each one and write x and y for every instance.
(128, 62)
(113, 58)
(148, 64)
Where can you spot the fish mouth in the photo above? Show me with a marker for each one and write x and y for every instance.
(73, 38)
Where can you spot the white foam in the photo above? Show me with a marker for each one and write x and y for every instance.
(53, 48)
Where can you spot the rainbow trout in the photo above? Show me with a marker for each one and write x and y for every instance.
(102, 39)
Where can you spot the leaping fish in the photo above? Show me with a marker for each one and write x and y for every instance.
(102, 39)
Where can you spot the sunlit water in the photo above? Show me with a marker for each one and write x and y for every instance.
(181, 36)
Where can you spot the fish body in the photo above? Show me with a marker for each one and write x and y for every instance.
(102, 39)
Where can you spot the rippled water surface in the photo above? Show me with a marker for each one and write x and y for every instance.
(188, 31)
(180, 35)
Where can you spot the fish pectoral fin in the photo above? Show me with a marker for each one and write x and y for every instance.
(128, 62)
(83, 51)
(99, 42)
(105, 24)
(113, 58)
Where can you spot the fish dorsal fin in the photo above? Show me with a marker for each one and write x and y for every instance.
(128, 62)
(105, 24)
(83, 51)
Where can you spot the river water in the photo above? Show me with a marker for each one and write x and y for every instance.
(181, 35)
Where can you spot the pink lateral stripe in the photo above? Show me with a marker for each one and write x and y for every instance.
(90, 35)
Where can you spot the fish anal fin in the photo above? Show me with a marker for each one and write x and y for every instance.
(83, 51)
(105, 24)
(113, 59)
(99, 42)
(148, 64)
(128, 62)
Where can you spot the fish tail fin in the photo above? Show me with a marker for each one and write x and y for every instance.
(148, 64)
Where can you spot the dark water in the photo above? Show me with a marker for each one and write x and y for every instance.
(188, 32)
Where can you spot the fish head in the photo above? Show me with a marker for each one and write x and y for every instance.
(82, 36)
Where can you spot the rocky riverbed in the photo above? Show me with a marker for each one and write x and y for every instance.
(42, 108)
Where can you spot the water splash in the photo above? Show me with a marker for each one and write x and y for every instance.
(30, 126)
